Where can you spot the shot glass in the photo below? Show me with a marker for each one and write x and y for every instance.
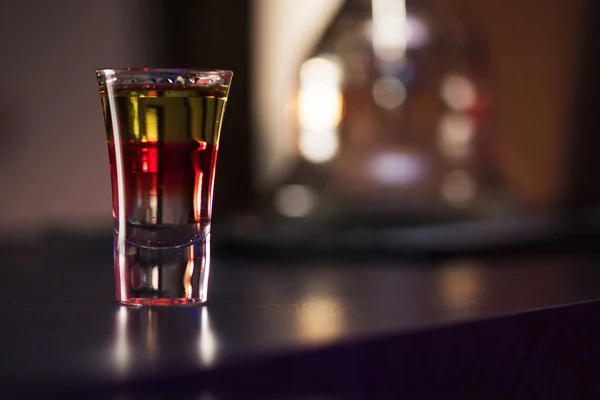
(162, 128)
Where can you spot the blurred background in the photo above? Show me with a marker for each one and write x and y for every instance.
(390, 125)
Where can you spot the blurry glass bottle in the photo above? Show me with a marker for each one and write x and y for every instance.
(393, 112)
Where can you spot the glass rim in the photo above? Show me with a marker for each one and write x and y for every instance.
(164, 71)
(163, 77)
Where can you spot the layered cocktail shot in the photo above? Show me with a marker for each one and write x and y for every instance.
(163, 128)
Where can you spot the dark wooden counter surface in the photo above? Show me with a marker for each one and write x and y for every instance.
(520, 326)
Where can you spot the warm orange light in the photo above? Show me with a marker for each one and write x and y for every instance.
(198, 195)
(320, 108)
(389, 29)
(459, 188)
(320, 319)
(187, 275)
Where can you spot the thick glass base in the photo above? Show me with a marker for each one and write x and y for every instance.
(162, 276)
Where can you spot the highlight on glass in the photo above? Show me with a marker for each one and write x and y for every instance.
(163, 128)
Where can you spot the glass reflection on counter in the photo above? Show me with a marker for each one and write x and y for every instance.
(208, 343)
(147, 337)
(150, 319)
(144, 330)
(121, 346)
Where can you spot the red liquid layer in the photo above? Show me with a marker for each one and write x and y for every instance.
(164, 186)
